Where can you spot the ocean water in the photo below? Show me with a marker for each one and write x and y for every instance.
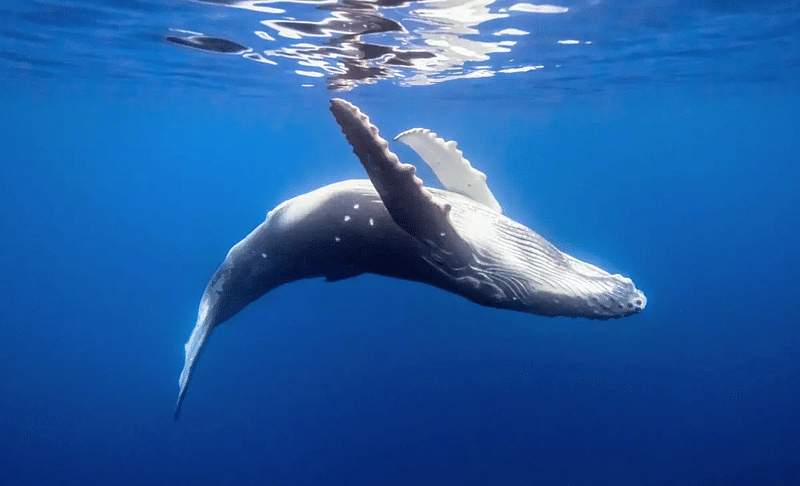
(140, 140)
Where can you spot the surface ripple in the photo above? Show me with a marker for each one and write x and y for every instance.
(576, 46)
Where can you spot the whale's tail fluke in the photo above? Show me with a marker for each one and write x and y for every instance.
(193, 347)
(244, 276)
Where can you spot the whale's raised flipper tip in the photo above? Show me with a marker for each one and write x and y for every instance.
(449, 165)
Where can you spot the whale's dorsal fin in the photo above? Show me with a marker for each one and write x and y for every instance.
(410, 205)
(451, 168)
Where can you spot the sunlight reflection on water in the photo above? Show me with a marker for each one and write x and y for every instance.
(358, 41)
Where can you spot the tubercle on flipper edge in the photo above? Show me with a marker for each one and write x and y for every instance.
(343, 111)
(450, 166)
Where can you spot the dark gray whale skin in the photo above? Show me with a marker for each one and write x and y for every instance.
(393, 226)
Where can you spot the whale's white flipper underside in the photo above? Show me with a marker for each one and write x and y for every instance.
(449, 165)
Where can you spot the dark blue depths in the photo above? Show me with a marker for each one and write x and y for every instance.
(116, 209)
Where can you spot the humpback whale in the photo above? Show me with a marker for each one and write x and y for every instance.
(456, 239)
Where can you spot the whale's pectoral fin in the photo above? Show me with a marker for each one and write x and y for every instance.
(410, 205)
(451, 168)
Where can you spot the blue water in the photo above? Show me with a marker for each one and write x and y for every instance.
(666, 148)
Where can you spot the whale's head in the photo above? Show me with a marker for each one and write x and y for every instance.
(598, 294)
(621, 299)
(513, 267)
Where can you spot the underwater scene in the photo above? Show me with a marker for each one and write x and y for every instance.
(388, 242)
